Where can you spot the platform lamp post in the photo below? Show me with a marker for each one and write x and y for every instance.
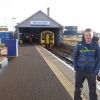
(13, 18)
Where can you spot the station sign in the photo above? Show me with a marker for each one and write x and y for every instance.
(40, 23)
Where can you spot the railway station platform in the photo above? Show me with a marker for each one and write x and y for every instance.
(36, 74)
(29, 77)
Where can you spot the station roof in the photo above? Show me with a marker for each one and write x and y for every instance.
(40, 19)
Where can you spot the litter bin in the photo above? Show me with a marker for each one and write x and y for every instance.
(12, 48)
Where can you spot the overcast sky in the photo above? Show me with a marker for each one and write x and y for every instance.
(82, 13)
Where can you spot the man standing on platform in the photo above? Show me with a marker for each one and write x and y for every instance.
(86, 61)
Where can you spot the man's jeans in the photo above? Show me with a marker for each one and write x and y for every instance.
(79, 80)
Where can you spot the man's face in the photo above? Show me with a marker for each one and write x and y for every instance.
(88, 37)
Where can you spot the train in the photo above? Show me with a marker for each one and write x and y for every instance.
(47, 39)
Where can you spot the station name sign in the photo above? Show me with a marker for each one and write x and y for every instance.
(38, 23)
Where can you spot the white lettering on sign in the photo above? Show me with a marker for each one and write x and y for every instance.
(40, 23)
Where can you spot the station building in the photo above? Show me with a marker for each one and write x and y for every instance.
(35, 24)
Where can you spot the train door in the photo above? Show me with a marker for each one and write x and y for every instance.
(47, 38)
(51, 39)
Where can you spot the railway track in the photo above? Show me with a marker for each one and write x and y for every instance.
(63, 54)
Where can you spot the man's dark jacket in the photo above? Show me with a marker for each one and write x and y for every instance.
(86, 57)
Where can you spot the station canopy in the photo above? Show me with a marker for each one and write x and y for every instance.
(35, 24)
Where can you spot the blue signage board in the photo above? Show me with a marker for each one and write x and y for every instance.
(42, 23)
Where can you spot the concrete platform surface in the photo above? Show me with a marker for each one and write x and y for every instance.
(28, 77)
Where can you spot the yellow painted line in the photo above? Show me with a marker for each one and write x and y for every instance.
(69, 87)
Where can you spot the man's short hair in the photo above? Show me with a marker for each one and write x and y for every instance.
(88, 30)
